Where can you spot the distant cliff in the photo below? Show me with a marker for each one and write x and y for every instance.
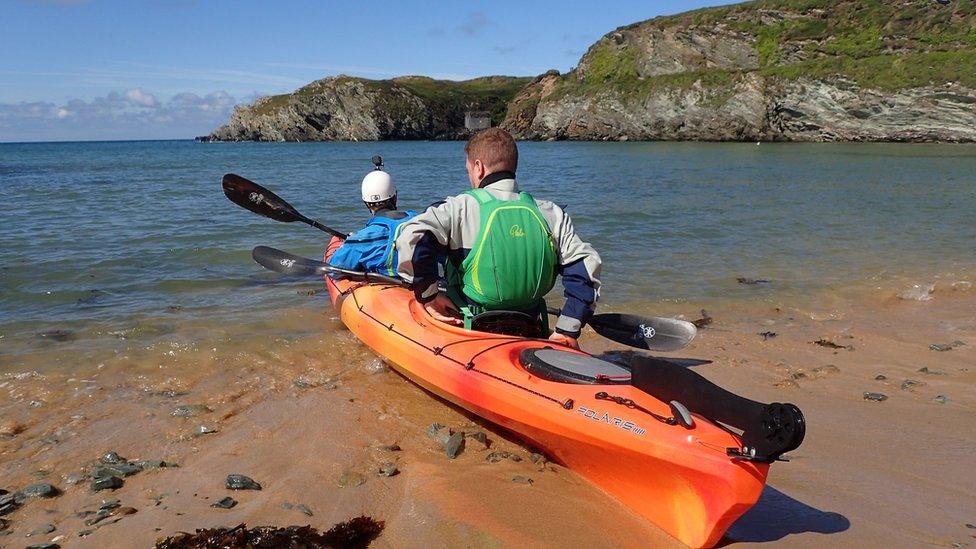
(781, 70)
(343, 108)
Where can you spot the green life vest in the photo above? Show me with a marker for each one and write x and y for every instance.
(512, 266)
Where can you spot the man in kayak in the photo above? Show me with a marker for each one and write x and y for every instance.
(371, 249)
(503, 247)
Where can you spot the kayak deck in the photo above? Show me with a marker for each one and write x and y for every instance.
(679, 478)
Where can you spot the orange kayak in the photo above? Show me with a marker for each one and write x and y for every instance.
(618, 437)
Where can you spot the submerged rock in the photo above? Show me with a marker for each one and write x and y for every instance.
(301, 507)
(877, 397)
(751, 281)
(767, 335)
(880, 377)
(941, 399)
(926, 370)
(351, 479)
(191, 410)
(519, 479)
(241, 482)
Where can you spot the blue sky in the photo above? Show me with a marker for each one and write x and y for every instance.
(107, 69)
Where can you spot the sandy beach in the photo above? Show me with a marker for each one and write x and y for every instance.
(313, 420)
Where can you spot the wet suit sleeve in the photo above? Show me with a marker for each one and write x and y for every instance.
(422, 241)
(579, 269)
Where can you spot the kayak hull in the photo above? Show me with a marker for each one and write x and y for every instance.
(678, 478)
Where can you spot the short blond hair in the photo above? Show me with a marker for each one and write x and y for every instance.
(495, 148)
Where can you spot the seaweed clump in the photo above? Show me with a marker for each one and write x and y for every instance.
(355, 533)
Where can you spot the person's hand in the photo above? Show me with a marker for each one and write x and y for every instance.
(443, 309)
(564, 340)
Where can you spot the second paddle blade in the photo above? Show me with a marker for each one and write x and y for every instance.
(286, 263)
(654, 334)
(248, 194)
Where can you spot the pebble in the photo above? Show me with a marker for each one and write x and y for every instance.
(767, 335)
(156, 464)
(705, 320)
(205, 430)
(57, 335)
(910, 384)
(41, 530)
(350, 478)
(519, 479)
(942, 347)
(287, 505)
(191, 410)
(85, 533)
(925, 370)
(40, 490)
(109, 504)
(106, 483)
(454, 445)
(536, 458)
(821, 371)
(376, 366)
(388, 469)
(877, 397)
(971, 526)
(433, 428)
(241, 482)
(3, 524)
(880, 377)
(304, 509)
(480, 439)
(751, 281)
(225, 503)
(495, 457)
(390, 448)
(941, 399)
(113, 458)
(44, 546)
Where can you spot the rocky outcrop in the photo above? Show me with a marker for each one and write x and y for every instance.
(817, 70)
(356, 109)
(778, 70)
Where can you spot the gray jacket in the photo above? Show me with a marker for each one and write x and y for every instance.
(451, 227)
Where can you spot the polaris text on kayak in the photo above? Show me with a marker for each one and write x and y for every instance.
(615, 421)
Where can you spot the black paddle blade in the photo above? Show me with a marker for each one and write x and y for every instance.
(286, 263)
(248, 194)
(650, 333)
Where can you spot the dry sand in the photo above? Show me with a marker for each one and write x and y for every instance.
(302, 417)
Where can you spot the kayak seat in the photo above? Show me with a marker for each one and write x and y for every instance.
(566, 367)
(511, 323)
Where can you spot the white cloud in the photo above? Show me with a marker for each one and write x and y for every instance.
(141, 98)
(129, 114)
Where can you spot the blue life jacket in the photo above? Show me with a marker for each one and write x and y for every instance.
(371, 249)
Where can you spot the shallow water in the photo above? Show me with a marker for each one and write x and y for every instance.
(107, 246)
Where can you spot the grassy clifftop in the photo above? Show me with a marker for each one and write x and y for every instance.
(882, 44)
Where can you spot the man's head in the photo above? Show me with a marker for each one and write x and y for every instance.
(490, 151)
(378, 191)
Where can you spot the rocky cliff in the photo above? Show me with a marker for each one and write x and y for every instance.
(781, 70)
(356, 109)
(788, 70)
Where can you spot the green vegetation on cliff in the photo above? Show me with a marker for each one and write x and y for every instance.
(882, 44)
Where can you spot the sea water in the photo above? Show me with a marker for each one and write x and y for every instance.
(113, 244)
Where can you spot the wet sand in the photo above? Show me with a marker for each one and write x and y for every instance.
(304, 415)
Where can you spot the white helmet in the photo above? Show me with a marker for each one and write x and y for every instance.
(378, 186)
